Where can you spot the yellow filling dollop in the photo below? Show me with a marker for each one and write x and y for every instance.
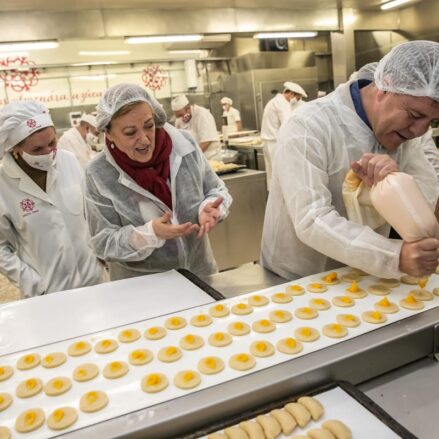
(188, 376)
(219, 336)
(30, 417)
(243, 358)
(261, 346)
(153, 380)
(171, 350)
(31, 384)
(210, 362)
(354, 287)
(92, 397)
(58, 415)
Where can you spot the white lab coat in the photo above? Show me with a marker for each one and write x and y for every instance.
(72, 141)
(119, 213)
(43, 235)
(430, 151)
(306, 229)
(233, 116)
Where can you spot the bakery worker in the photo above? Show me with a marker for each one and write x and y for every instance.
(377, 124)
(233, 115)
(43, 233)
(200, 122)
(80, 139)
(275, 112)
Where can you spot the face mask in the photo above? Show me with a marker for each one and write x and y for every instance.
(294, 102)
(225, 108)
(42, 162)
(186, 118)
(91, 139)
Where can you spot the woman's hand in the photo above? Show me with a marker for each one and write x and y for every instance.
(209, 216)
(373, 168)
(165, 230)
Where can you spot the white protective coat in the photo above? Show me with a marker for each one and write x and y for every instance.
(306, 230)
(72, 141)
(119, 213)
(43, 235)
(233, 116)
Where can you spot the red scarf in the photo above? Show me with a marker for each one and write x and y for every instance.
(152, 175)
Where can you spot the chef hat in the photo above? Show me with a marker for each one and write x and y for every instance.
(90, 119)
(179, 102)
(226, 101)
(296, 88)
(20, 119)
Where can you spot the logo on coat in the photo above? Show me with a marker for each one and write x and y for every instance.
(28, 206)
(31, 123)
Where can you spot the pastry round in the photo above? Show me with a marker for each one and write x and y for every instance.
(79, 348)
(30, 420)
(242, 309)
(375, 317)
(379, 290)
(219, 310)
(62, 418)
(187, 379)
(219, 339)
(317, 288)
(28, 388)
(289, 346)
(295, 290)
(281, 298)
(201, 320)
(261, 348)
(280, 316)
(258, 300)
(154, 382)
(390, 283)
(93, 401)
(169, 354)
(5, 433)
(85, 372)
(139, 357)
(306, 334)
(106, 346)
(355, 292)
(270, 425)
(409, 280)
(358, 272)
(263, 326)
(343, 301)
(5, 401)
(335, 330)
(238, 328)
(54, 359)
(410, 302)
(330, 279)
(306, 313)
(385, 306)
(242, 361)
(313, 405)
(155, 333)
(348, 320)
(57, 386)
(210, 365)
(351, 277)
(6, 372)
(175, 323)
(115, 369)
(28, 361)
(338, 429)
(422, 294)
(128, 335)
(319, 304)
(191, 342)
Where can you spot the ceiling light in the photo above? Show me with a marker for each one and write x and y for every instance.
(93, 77)
(269, 35)
(93, 63)
(12, 54)
(163, 39)
(103, 52)
(198, 52)
(393, 4)
(28, 45)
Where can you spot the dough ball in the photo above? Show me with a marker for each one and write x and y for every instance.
(299, 412)
(263, 326)
(175, 322)
(85, 372)
(319, 304)
(281, 298)
(201, 320)
(330, 279)
(286, 421)
(219, 310)
(335, 330)
(242, 309)
(313, 405)
(343, 301)
(115, 369)
(270, 426)
(5, 401)
(375, 317)
(79, 348)
(385, 306)
(155, 333)
(106, 346)
(280, 316)
(306, 313)
(338, 429)
(139, 357)
(306, 334)
(238, 328)
(187, 379)
(30, 420)
(317, 288)
(258, 300)
(128, 335)
(28, 361)
(235, 432)
(219, 339)
(154, 382)
(289, 346)
(6, 372)
(410, 302)
(210, 365)
(320, 433)
(348, 320)
(379, 290)
(191, 342)
(29, 388)
(253, 429)
(262, 348)
(242, 362)
(57, 386)
(295, 290)
(62, 418)
(169, 354)
(422, 294)
(93, 401)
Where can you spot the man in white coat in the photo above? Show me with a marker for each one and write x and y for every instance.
(200, 123)
(233, 115)
(79, 139)
(275, 112)
(43, 233)
(375, 128)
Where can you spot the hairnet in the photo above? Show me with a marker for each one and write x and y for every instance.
(367, 71)
(90, 119)
(295, 88)
(123, 94)
(412, 69)
(226, 100)
(179, 102)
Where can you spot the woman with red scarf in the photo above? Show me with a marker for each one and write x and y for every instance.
(151, 197)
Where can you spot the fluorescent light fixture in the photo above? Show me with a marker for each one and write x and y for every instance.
(393, 4)
(28, 45)
(198, 52)
(269, 35)
(103, 52)
(93, 63)
(12, 54)
(93, 77)
(163, 39)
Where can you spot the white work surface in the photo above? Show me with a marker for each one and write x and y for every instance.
(59, 316)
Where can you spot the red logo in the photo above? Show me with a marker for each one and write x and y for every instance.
(20, 73)
(27, 205)
(31, 123)
(154, 77)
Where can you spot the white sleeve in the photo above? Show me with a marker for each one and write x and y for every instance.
(237, 115)
(430, 151)
(206, 128)
(65, 143)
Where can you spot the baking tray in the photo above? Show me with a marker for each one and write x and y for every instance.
(231, 170)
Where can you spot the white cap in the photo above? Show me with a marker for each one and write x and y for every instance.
(296, 88)
(225, 100)
(20, 119)
(90, 119)
(179, 102)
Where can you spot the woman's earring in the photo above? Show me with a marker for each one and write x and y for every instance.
(112, 146)
(15, 154)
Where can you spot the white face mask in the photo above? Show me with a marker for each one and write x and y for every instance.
(42, 162)
(91, 139)
(294, 101)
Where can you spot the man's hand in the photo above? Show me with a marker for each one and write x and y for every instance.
(372, 168)
(419, 258)
(209, 216)
(165, 230)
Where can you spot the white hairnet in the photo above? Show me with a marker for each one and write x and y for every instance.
(90, 119)
(120, 95)
(179, 102)
(296, 88)
(367, 71)
(20, 119)
(226, 100)
(412, 69)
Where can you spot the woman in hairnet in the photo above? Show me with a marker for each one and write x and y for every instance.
(375, 128)
(151, 196)
(43, 232)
